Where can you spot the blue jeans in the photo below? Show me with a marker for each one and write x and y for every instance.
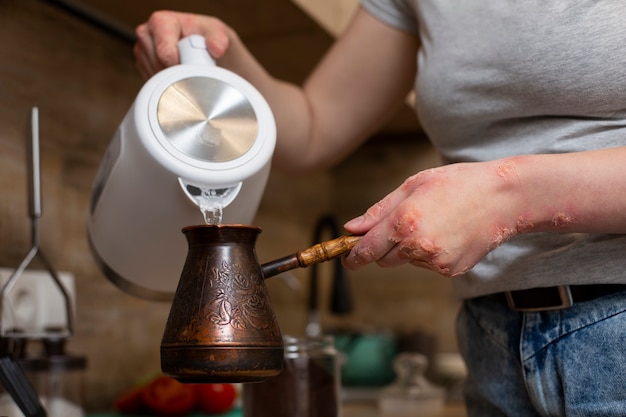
(569, 362)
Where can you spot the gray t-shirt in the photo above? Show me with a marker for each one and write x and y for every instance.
(500, 78)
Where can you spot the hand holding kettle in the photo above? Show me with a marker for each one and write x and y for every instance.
(157, 39)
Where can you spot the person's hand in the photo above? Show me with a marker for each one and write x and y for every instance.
(156, 47)
(445, 219)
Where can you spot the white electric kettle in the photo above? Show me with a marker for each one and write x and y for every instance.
(194, 130)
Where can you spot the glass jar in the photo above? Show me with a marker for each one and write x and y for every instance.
(308, 386)
(57, 378)
(411, 395)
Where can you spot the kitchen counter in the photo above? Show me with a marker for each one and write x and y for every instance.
(361, 402)
(370, 410)
(357, 409)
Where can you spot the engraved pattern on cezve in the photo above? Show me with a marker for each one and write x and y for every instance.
(238, 299)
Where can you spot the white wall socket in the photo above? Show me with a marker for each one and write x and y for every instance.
(34, 302)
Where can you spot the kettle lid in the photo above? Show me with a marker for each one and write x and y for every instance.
(207, 119)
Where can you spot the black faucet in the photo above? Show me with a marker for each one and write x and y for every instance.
(341, 301)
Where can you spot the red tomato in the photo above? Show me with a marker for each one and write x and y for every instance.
(131, 402)
(215, 398)
(167, 397)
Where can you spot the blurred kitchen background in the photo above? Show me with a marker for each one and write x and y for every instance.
(73, 60)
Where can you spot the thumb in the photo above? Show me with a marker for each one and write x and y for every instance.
(217, 44)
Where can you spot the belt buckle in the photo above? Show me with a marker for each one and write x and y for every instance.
(562, 299)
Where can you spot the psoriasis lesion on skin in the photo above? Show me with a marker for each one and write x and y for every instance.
(501, 235)
(506, 168)
(561, 220)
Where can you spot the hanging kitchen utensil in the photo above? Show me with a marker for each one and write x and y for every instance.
(12, 375)
(34, 194)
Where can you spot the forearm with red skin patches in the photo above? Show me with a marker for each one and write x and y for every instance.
(448, 218)
(576, 192)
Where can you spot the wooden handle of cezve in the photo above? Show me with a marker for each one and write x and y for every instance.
(326, 251)
(321, 252)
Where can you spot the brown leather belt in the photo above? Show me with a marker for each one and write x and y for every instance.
(556, 298)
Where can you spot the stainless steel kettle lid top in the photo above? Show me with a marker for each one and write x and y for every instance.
(207, 119)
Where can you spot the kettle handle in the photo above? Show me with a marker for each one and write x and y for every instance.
(321, 252)
(193, 51)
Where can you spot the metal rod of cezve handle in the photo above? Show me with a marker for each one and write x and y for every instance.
(322, 252)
